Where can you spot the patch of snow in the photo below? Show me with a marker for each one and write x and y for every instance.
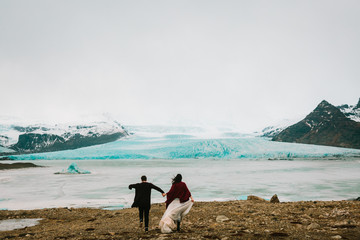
(3, 150)
(280, 126)
(351, 112)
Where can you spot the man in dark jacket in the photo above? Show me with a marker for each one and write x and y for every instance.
(142, 199)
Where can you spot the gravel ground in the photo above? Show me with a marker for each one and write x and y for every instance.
(249, 219)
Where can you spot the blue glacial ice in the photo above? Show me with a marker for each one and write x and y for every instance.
(181, 143)
(73, 169)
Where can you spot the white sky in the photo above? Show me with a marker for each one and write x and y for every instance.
(245, 63)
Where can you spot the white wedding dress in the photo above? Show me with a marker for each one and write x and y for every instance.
(175, 212)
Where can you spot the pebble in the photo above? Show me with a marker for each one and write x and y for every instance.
(222, 218)
(336, 237)
(344, 223)
(313, 226)
(162, 237)
(298, 226)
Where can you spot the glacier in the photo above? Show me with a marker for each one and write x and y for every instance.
(159, 142)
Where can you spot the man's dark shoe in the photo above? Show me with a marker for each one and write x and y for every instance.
(146, 229)
(178, 225)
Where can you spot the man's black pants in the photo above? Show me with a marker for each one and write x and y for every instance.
(144, 212)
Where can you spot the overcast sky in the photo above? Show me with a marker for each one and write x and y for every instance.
(245, 63)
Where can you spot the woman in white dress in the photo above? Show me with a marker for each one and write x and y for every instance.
(178, 204)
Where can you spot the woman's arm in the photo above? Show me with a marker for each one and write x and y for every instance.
(172, 189)
(169, 194)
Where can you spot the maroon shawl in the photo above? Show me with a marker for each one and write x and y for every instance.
(178, 190)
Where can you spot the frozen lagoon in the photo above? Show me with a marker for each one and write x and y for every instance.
(207, 179)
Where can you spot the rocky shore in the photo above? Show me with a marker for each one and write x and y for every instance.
(17, 165)
(248, 219)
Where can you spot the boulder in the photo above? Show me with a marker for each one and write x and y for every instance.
(274, 199)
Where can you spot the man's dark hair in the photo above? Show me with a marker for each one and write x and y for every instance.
(143, 178)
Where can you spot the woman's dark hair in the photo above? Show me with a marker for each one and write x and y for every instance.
(177, 179)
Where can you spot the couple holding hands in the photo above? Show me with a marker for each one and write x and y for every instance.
(178, 203)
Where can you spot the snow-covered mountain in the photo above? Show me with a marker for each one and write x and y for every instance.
(272, 131)
(350, 111)
(325, 125)
(23, 138)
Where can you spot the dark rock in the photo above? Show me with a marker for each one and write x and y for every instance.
(344, 106)
(357, 105)
(344, 224)
(4, 166)
(326, 125)
(279, 234)
(9, 237)
(357, 199)
(274, 199)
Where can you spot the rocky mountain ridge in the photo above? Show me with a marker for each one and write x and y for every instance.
(326, 125)
(47, 138)
(350, 111)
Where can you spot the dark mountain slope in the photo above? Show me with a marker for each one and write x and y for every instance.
(48, 138)
(326, 125)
